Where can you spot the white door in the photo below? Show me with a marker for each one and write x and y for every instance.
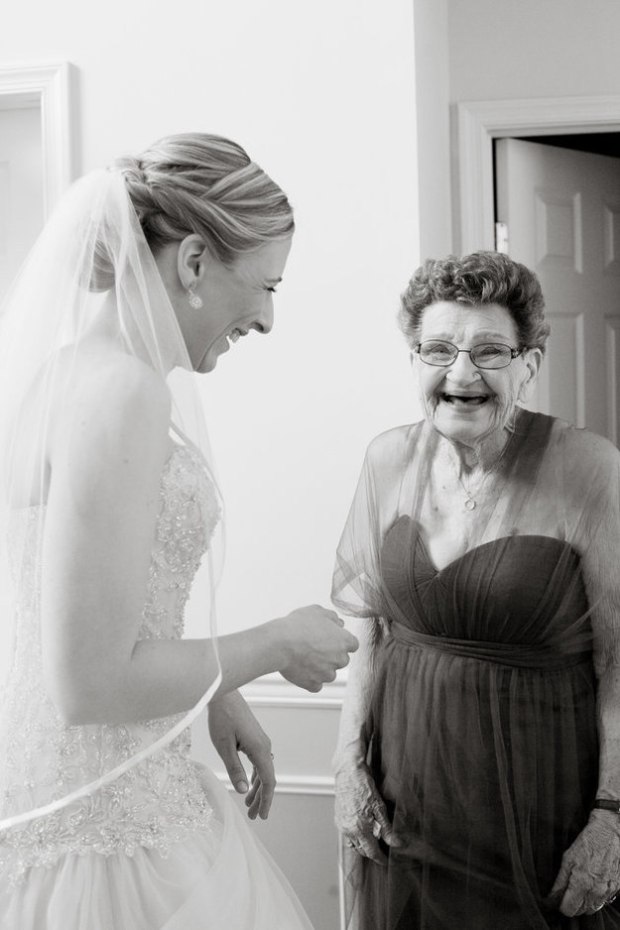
(21, 187)
(562, 210)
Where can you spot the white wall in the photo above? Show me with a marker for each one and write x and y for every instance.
(322, 95)
(432, 79)
(291, 415)
(503, 48)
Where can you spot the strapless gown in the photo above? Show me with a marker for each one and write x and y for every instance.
(484, 737)
(163, 846)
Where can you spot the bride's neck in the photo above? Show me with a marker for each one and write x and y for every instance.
(106, 328)
(106, 324)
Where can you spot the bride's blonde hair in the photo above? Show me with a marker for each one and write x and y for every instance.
(204, 184)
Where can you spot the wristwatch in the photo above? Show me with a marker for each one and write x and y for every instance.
(607, 804)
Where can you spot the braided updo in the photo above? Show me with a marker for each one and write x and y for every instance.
(203, 184)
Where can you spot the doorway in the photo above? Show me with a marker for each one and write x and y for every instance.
(22, 206)
(557, 206)
(582, 381)
(36, 154)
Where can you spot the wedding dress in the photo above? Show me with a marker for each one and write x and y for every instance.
(162, 847)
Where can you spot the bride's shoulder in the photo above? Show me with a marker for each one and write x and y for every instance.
(114, 394)
(106, 376)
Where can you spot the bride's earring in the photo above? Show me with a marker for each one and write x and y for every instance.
(194, 300)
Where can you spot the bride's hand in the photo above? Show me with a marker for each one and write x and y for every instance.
(234, 728)
(317, 645)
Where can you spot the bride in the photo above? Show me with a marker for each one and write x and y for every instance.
(146, 273)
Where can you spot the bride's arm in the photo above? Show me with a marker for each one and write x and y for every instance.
(107, 454)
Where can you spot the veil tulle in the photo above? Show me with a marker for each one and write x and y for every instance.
(91, 250)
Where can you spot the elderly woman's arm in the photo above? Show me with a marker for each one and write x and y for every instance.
(590, 872)
(361, 815)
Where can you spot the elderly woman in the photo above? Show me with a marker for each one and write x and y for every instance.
(478, 764)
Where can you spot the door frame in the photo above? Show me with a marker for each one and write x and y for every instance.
(48, 85)
(479, 122)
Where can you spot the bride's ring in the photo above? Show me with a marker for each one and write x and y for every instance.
(350, 844)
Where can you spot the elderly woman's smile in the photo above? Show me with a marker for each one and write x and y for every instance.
(463, 400)
(468, 402)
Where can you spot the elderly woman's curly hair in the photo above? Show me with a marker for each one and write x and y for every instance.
(474, 280)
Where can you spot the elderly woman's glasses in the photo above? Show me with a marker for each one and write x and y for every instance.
(485, 355)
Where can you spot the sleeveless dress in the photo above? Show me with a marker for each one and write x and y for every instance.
(483, 734)
(163, 847)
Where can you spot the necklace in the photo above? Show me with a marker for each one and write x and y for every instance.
(470, 503)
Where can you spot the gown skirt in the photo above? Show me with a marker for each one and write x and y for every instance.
(219, 879)
(483, 738)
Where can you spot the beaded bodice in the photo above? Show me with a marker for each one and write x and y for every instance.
(41, 758)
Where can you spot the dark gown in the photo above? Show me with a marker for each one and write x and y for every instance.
(483, 736)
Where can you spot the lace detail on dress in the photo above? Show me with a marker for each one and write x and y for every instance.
(158, 801)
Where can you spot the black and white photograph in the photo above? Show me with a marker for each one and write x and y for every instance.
(309, 465)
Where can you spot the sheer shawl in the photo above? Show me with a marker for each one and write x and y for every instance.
(92, 250)
(481, 724)
(552, 480)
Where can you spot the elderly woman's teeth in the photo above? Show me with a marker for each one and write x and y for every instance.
(471, 399)
(235, 335)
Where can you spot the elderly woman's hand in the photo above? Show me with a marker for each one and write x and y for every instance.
(361, 815)
(589, 877)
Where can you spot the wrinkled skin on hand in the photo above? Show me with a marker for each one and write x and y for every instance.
(361, 815)
(233, 729)
(590, 872)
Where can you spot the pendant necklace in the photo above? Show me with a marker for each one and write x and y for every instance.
(470, 503)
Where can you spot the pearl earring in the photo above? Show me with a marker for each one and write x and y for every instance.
(195, 301)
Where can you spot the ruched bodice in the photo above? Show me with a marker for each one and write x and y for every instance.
(160, 799)
(495, 602)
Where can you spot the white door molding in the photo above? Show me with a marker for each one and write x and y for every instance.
(479, 122)
(48, 85)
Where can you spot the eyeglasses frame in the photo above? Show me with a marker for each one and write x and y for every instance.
(514, 353)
